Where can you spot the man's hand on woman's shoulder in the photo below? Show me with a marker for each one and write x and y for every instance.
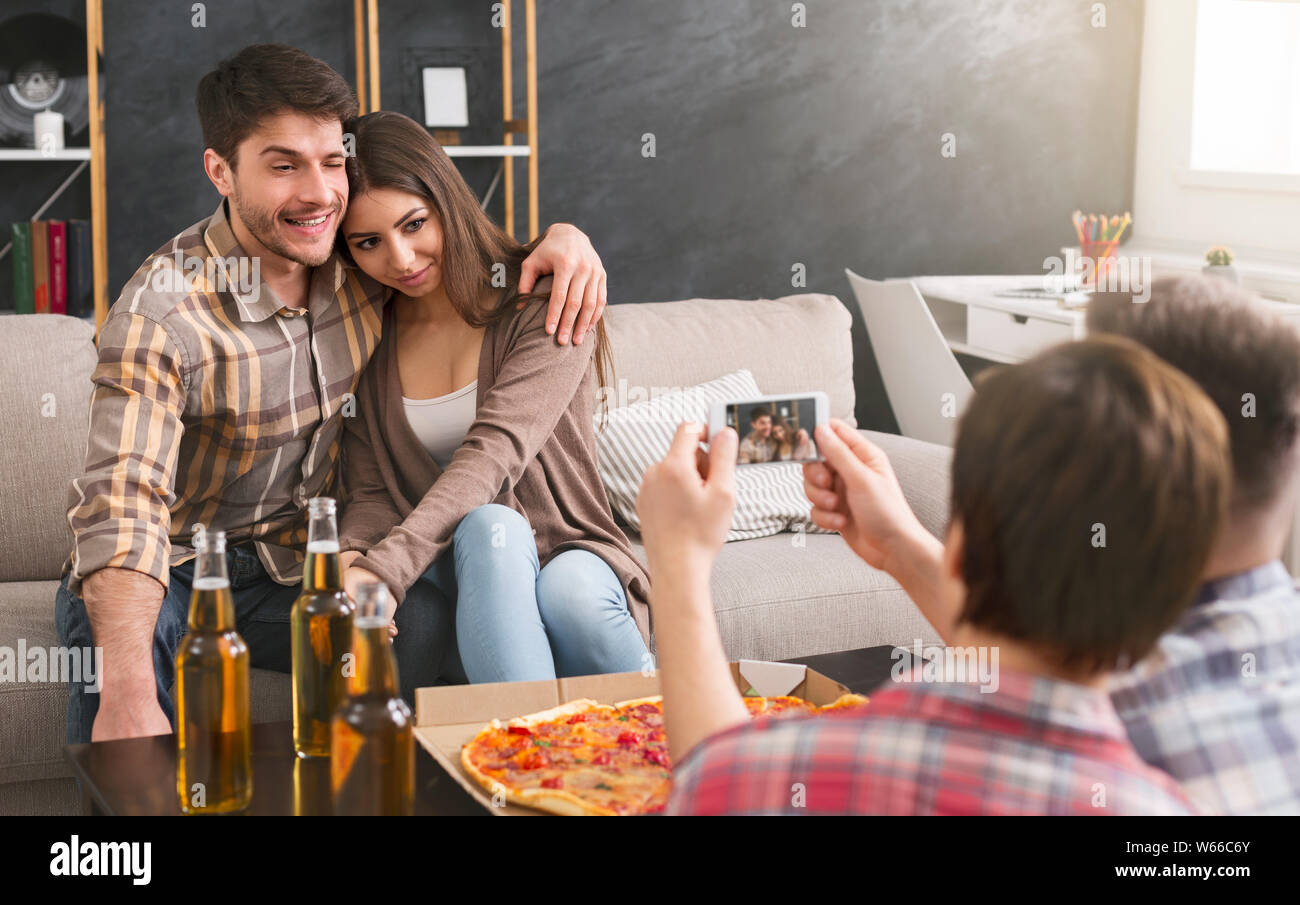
(578, 289)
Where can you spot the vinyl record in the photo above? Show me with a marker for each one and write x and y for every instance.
(42, 67)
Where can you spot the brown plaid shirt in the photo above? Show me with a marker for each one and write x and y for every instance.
(215, 403)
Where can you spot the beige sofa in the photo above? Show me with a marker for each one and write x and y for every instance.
(813, 596)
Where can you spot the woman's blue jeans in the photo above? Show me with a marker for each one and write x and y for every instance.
(516, 622)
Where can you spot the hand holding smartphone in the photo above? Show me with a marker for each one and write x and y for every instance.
(775, 428)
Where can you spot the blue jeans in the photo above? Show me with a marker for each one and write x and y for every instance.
(515, 621)
(424, 646)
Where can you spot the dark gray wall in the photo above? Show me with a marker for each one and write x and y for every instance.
(778, 145)
(775, 145)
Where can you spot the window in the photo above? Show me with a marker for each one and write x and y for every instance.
(1246, 94)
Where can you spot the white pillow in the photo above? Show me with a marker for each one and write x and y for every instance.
(631, 438)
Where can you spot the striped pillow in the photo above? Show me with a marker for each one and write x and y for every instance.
(631, 438)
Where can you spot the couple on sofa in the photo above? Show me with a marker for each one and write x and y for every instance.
(772, 438)
(465, 437)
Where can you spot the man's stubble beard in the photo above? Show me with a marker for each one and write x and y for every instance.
(263, 225)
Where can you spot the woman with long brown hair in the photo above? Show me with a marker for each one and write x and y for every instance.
(791, 444)
(471, 460)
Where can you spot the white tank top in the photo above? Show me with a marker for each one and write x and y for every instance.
(441, 423)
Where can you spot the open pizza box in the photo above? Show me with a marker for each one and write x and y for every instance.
(447, 717)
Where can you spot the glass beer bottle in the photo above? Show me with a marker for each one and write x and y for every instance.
(372, 740)
(213, 715)
(321, 632)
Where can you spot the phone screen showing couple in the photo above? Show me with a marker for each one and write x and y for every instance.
(774, 430)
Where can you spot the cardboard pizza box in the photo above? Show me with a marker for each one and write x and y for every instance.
(449, 716)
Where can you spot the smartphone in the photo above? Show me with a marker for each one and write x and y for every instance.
(772, 428)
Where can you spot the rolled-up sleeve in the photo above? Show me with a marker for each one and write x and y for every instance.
(119, 508)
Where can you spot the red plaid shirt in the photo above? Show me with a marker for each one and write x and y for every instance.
(1033, 746)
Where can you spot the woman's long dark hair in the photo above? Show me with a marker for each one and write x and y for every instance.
(395, 152)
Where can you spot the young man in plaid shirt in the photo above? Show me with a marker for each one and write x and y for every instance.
(1065, 554)
(1217, 703)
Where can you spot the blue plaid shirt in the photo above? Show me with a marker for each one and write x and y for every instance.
(1217, 703)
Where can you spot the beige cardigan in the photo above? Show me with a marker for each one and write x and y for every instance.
(531, 447)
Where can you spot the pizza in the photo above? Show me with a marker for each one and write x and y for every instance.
(584, 757)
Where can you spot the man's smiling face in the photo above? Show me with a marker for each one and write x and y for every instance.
(289, 187)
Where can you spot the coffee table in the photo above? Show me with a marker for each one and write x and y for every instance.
(137, 776)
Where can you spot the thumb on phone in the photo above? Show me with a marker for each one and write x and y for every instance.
(836, 452)
(721, 462)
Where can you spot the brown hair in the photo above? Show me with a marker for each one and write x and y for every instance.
(1244, 360)
(785, 447)
(1090, 483)
(262, 80)
(393, 151)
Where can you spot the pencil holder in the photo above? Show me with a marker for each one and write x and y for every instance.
(1098, 258)
(1099, 236)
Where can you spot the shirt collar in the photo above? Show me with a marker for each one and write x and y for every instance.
(1244, 585)
(1040, 700)
(262, 302)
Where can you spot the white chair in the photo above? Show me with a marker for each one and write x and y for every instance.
(926, 386)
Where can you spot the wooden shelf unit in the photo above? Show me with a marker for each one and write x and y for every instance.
(365, 18)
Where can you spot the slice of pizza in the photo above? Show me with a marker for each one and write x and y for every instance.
(579, 758)
(843, 702)
(788, 705)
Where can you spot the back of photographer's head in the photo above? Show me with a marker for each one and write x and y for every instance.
(1244, 358)
(1089, 484)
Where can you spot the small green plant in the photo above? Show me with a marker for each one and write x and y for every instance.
(1219, 256)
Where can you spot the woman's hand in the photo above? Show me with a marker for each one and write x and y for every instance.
(578, 287)
(354, 577)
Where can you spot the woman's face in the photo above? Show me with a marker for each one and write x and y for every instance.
(778, 432)
(395, 237)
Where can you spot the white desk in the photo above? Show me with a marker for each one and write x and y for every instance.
(976, 322)
(979, 323)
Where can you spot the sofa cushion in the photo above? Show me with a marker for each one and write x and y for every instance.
(630, 439)
(799, 342)
(924, 471)
(793, 595)
(32, 714)
(46, 361)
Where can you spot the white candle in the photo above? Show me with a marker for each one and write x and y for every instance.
(49, 132)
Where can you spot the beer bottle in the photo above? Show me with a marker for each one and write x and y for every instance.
(321, 632)
(213, 717)
(372, 741)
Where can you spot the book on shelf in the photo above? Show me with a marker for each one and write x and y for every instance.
(58, 252)
(24, 302)
(81, 295)
(41, 266)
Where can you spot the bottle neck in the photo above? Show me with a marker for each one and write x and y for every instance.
(375, 667)
(322, 571)
(212, 609)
